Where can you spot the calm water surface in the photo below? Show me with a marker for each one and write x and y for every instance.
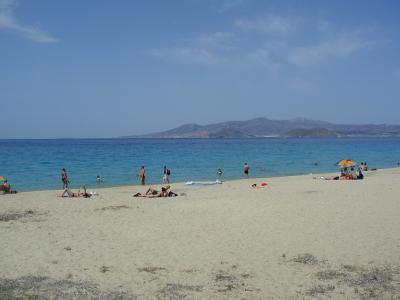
(36, 164)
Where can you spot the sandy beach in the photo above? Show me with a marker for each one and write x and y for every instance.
(297, 238)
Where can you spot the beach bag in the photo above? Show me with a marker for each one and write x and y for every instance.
(168, 172)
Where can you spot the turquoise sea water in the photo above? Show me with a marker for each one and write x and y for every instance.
(36, 164)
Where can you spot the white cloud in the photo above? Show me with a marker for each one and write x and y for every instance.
(259, 58)
(189, 55)
(9, 22)
(340, 47)
(273, 25)
(271, 52)
(205, 49)
(215, 40)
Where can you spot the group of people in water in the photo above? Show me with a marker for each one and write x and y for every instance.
(142, 175)
(167, 172)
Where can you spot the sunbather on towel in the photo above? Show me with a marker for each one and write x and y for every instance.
(68, 193)
(152, 193)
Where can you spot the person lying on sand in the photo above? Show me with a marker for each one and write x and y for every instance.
(152, 193)
(68, 193)
(342, 177)
(6, 188)
(262, 185)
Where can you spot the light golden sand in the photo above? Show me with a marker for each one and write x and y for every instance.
(297, 238)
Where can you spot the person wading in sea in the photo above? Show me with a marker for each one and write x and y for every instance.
(142, 175)
(64, 178)
(246, 169)
(166, 173)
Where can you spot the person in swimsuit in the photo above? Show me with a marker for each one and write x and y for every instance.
(68, 193)
(166, 173)
(219, 173)
(152, 193)
(64, 178)
(142, 175)
(246, 169)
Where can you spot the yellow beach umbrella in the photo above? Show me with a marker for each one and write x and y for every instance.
(346, 163)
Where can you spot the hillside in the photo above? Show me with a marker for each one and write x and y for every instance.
(263, 127)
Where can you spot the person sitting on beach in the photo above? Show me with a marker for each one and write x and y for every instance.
(360, 175)
(346, 174)
(6, 188)
(353, 173)
(341, 177)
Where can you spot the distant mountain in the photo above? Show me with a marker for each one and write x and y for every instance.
(313, 132)
(263, 127)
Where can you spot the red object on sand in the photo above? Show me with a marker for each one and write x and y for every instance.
(264, 184)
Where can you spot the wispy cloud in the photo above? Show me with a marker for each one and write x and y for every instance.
(226, 5)
(190, 55)
(259, 58)
(215, 40)
(271, 24)
(340, 46)
(205, 49)
(280, 43)
(9, 22)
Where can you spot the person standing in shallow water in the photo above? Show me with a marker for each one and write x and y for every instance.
(64, 178)
(142, 175)
(246, 169)
(166, 173)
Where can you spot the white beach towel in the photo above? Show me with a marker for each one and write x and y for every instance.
(203, 183)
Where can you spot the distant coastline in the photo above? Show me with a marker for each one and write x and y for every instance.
(267, 128)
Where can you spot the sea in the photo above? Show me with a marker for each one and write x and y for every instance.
(36, 164)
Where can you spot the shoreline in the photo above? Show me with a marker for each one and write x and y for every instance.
(100, 187)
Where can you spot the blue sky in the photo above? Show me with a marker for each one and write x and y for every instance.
(110, 68)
